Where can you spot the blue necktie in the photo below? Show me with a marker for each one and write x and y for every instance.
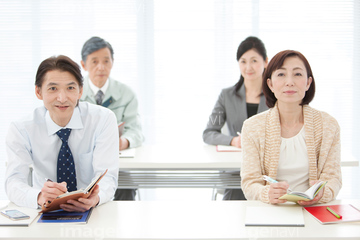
(65, 165)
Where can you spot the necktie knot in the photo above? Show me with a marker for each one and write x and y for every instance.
(99, 97)
(64, 134)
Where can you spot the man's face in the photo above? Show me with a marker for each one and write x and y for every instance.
(60, 93)
(98, 64)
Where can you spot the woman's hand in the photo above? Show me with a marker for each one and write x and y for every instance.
(316, 199)
(277, 190)
(236, 142)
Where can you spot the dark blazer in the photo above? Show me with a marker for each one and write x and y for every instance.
(229, 108)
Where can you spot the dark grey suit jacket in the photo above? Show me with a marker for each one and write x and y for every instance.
(229, 108)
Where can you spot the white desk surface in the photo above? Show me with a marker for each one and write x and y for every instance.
(202, 157)
(192, 157)
(181, 220)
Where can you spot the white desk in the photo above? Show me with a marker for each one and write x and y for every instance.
(160, 157)
(193, 166)
(182, 221)
(186, 166)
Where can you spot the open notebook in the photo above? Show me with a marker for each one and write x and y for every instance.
(308, 195)
(63, 198)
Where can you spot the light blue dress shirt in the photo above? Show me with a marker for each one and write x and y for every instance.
(93, 141)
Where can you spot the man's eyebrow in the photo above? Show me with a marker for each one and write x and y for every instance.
(55, 84)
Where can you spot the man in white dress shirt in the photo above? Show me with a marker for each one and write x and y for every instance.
(93, 142)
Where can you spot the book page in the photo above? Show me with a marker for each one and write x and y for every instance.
(314, 188)
(70, 193)
(91, 185)
(305, 196)
(86, 190)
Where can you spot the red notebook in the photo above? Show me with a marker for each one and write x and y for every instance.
(347, 212)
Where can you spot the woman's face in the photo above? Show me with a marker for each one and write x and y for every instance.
(252, 65)
(290, 82)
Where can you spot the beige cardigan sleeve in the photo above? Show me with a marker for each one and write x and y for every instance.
(252, 169)
(329, 168)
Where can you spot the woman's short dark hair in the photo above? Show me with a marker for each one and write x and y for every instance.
(277, 62)
(61, 63)
(246, 45)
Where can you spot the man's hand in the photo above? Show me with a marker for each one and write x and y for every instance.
(123, 143)
(277, 190)
(50, 191)
(83, 204)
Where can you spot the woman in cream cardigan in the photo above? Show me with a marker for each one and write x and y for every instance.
(291, 142)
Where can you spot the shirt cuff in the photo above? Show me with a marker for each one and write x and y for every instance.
(32, 197)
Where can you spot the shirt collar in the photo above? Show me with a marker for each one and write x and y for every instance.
(95, 89)
(74, 123)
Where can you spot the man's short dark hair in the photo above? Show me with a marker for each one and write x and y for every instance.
(61, 63)
(94, 44)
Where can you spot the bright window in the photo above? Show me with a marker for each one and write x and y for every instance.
(178, 55)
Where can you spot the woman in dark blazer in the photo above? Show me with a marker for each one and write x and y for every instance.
(239, 102)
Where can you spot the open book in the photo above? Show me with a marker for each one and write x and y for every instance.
(81, 193)
(307, 195)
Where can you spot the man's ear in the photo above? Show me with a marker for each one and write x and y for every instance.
(83, 65)
(38, 93)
